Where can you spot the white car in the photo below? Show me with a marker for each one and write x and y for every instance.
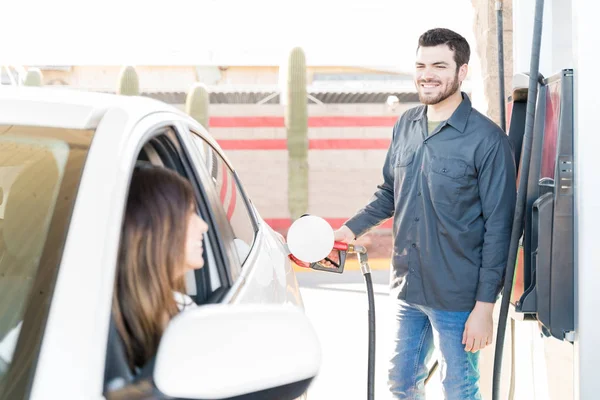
(66, 159)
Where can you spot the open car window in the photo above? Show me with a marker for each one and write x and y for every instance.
(165, 151)
(205, 285)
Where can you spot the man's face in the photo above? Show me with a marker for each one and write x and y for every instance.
(436, 74)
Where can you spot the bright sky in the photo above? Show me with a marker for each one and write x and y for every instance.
(223, 32)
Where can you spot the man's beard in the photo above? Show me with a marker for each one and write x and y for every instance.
(450, 90)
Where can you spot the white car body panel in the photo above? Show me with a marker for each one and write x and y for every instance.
(72, 356)
(267, 285)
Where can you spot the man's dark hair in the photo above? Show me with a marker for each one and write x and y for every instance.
(456, 43)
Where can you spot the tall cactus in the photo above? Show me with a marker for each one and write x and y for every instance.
(129, 84)
(197, 102)
(296, 123)
(33, 77)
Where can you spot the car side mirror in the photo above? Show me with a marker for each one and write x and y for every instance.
(225, 351)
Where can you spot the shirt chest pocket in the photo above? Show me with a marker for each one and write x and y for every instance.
(403, 172)
(446, 179)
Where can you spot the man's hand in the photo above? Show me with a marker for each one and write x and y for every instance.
(479, 328)
(345, 235)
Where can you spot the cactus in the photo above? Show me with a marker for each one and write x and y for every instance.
(129, 84)
(296, 123)
(33, 77)
(196, 103)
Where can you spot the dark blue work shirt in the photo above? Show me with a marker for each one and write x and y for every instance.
(452, 195)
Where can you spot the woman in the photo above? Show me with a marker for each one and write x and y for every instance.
(161, 240)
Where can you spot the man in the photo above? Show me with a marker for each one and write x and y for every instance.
(449, 182)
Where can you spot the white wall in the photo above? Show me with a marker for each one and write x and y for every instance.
(587, 192)
(557, 50)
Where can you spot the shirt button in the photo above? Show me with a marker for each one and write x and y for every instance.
(414, 245)
(418, 194)
(444, 170)
(425, 142)
(416, 218)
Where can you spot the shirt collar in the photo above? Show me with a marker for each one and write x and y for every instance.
(458, 119)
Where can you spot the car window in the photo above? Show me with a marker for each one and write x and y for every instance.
(165, 150)
(205, 285)
(39, 175)
(232, 198)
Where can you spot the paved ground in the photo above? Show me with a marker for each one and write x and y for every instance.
(337, 306)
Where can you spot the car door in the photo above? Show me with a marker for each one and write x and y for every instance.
(164, 146)
(266, 275)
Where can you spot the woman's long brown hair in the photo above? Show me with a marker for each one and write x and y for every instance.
(151, 259)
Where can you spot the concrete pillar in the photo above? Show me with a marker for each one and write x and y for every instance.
(484, 26)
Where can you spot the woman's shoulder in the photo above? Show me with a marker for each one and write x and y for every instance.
(184, 301)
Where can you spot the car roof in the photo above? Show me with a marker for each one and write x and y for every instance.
(67, 107)
(78, 109)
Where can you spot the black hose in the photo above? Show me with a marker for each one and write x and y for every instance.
(371, 311)
(511, 388)
(432, 370)
(500, 35)
(518, 221)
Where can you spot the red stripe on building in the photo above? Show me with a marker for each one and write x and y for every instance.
(313, 122)
(282, 224)
(348, 144)
(313, 144)
(253, 144)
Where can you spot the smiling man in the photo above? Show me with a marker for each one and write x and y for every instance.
(449, 182)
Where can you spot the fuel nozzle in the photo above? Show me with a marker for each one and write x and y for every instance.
(356, 249)
(363, 259)
(311, 244)
(335, 261)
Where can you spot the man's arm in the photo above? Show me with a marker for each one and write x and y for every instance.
(381, 206)
(498, 192)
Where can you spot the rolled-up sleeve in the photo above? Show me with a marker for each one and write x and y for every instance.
(497, 191)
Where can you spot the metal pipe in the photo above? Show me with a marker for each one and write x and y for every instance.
(500, 35)
(518, 221)
(357, 249)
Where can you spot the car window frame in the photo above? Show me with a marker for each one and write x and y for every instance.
(194, 132)
(201, 180)
(174, 148)
(169, 133)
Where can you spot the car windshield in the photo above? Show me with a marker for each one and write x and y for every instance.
(40, 170)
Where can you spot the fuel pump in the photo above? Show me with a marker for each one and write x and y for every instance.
(310, 240)
(539, 287)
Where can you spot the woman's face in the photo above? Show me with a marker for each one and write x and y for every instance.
(193, 247)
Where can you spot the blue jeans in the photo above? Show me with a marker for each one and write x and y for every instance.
(420, 329)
